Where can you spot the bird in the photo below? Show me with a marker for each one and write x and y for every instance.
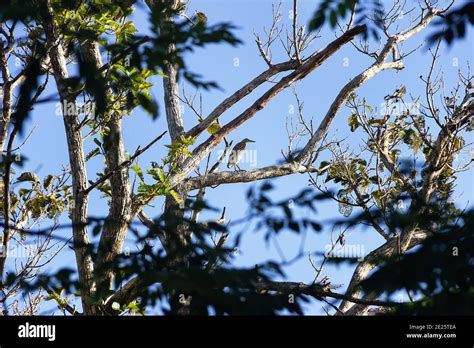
(450, 102)
(399, 93)
(237, 153)
(201, 17)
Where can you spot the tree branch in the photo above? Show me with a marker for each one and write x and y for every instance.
(411, 237)
(231, 177)
(116, 224)
(317, 291)
(336, 105)
(299, 73)
(124, 164)
(130, 290)
(239, 95)
(295, 31)
(371, 260)
(170, 82)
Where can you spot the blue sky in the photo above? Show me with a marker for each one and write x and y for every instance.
(46, 149)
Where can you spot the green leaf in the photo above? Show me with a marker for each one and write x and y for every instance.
(97, 141)
(318, 21)
(294, 226)
(377, 196)
(28, 177)
(316, 227)
(47, 182)
(161, 176)
(333, 18)
(148, 104)
(378, 121)
(175, 196)
(213, 128)
(23, 191)
(342, 9)
(323, 167)
(416, 144)
(93, 153)
(267, 186)
(400, 92)
(374, 179)
(138, 171)
(353, 122)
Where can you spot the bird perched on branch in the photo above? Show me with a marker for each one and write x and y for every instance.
(399, 93)
(201, 17)
(237, 153)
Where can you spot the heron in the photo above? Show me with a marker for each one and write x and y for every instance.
(237, 153)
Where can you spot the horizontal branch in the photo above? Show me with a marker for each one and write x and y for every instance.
(316, 291)
(231, 177)
(131, 289)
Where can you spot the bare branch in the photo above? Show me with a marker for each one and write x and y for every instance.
(317, 292)
(299, 73)
(229, 177)
(239, 95)
(295, 32)
(367, 74)
(124, 164)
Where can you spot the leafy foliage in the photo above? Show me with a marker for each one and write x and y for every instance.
(333, 11)
(263, 207)
(451, 27)
(440, 273)
(206, 281)
(454, 25)
(210, 279)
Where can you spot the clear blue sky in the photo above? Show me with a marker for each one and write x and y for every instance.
(46, 150)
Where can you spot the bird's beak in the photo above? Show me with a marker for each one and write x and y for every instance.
(250, 141)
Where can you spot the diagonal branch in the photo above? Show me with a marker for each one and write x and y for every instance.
(239, 95)
(122, 165)
(299, 73)
(367, 74)
(345, 92)
(370, 262)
